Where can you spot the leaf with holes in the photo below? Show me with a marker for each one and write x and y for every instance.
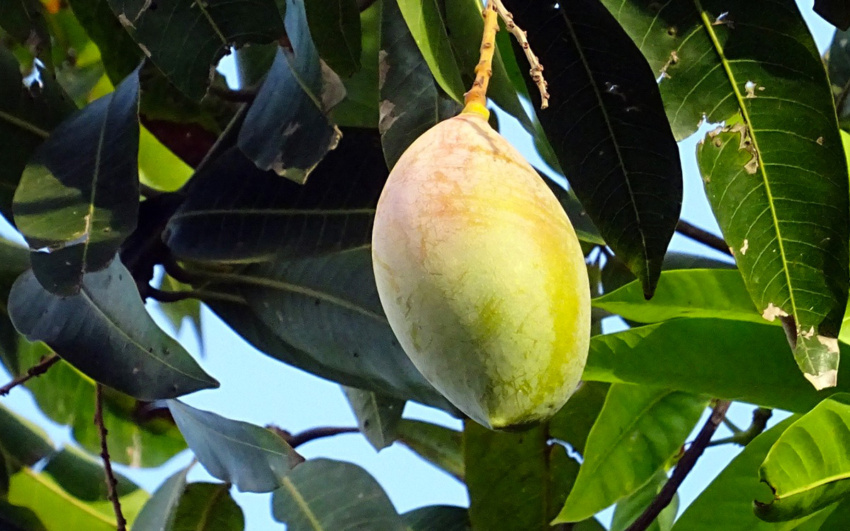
(205, 30)
(377, 415)
(252, 458)
(638, 430)
(775, 173)
(335, 27)
(106, 333)
(286, 129)
(78, 197)
(318, 495)
(607, 127)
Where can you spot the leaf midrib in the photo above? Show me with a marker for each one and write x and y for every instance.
(58, 491)
(302, 504)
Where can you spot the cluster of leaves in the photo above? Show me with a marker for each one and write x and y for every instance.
(258, 203)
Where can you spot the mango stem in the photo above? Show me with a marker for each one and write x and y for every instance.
(475, 101)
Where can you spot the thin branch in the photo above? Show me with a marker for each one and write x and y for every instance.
(310, 435)
(686, 464)
(744, 437)
(176, 271)
(703, 236)
(32, 372)
(536, 71)
(111, 482)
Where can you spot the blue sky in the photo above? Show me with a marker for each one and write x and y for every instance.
(258, 389)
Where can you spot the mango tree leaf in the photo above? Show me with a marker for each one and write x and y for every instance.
(628, 509)
(711, 293)
(21, 440)
(836, 520)
(335, 27)
(106, 333)
(16, 518)
(638, 430)
(442, 517)
(252, 458)
(572, 424)
(323, 315)
(286, 129)
(838, 60)
(208, 507)
(159, 512)
(271, 216)
(808, 467)
(377, 415)
(733, 360)
(359, 108)
(78, 197)
(440, 446)
(205, 33)
(835, 12)
(25, 22)
(426, 22)
(83, 477)
(118, 52)
(325, 494)
(607, 127)
(27, 115)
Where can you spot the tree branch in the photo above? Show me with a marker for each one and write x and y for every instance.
(703, 236)
(686, 464)
(32, 372)
(111, 482)
(743, 437)
(310, 435)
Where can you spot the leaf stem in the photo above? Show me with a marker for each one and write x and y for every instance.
(111, 482)
(683, 468)
(36, 370)
(311, 435)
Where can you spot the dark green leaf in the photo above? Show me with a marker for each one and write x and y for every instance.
(637, 432)
(838, 60)
(252, 458)
(207, 507)
(837, 519)
(118, 52)
(205, 33)
(572, 424)
(426, 22)
(78, 197)
(269, 216)
(22, 441)
(359, 108)
(607, 127)
(808, 467)
(335, 27)
(585, 229)
(14, 518)
(377, 415)
(324, 316)
(442, 517)
(106, 333)
(630, 508)
(286, 129)
(440, 446)
(159, 512)
(836, 12)
(325, 495)
(27, 115)
(24, 21)
(83, 477)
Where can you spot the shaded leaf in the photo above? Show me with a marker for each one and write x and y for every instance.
(377, 415)
(21, 440)
(208, 507)
(638, 430)
(442, 517)
(14, 518)
(808, 467)
(359, 108)
(78, 197)
(106, 333)
(159, 512)
(180, 311)
(25, 22)
(269, 216)
(836, 12)
(335, 27)
(325, 494)
(205, 32)
(628, 509)
(426, 22)
(837, 519)
(27, 114)
(584, 227)
(82, 476)
(252, 458)
(838, 61)
(286, 129)
(118, 52)
(440, 446)
(607, 127)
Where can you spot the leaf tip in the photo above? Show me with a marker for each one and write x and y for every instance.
(823, 380)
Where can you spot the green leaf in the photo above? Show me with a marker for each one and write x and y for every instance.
(78, 197)
(21, 440)
(607, 127)
(628, 509)
(83, 477)
(637, 432)
(271, 216)
(335, 27)
(442, 517)
(205, 32)
(377, 415)
(286, 129)
(714, 293)
(159, 512)
(119, 54)
(411, 103)
(252, 458)
(24, 20)
(14, 518)
(27, 115)
(208, 507)
(359, 108)
(838, 60)
(106, 333)
(440, 446)
(158, 166)
(837, 519)
(323, 315)
(808, 467)
(324, 495)
(572, 424)
(426, 22)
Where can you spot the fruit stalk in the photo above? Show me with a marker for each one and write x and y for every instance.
(476, 99)
(536, 71)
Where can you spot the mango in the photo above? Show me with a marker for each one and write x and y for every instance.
(481, 275)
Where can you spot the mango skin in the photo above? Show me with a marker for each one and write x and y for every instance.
(481, 275)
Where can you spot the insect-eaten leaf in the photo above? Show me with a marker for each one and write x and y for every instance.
(287, 129)
(107, 334)
(78, 197)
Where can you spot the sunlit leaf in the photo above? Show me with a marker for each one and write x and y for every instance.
(377, 415)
